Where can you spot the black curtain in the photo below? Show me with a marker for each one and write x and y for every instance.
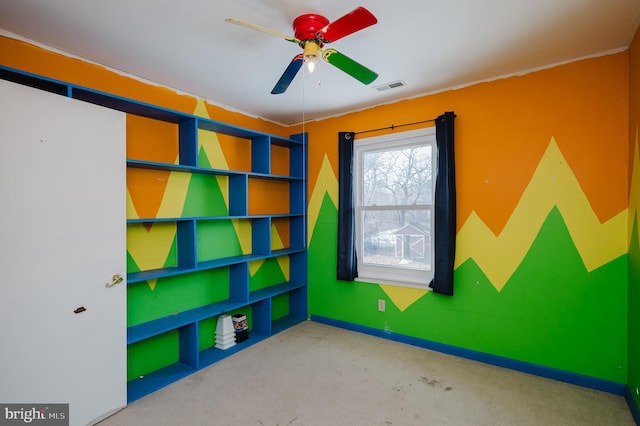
(347, 262)
(445, 210)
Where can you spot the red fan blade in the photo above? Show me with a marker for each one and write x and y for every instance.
(356, 20)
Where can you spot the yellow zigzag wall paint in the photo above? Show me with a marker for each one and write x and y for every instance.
(553, 185)
(542, 237)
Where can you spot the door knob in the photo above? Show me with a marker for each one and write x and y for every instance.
(116, 279)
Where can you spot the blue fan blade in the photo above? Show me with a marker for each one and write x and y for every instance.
(288, 75)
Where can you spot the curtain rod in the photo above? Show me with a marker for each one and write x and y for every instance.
(394, 127)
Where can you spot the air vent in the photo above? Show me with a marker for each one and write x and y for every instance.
(392, 85)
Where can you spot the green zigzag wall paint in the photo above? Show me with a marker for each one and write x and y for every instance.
(552, 312)
(634, 312)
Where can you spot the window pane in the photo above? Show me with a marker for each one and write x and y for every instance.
(399, 238)
(397, 176)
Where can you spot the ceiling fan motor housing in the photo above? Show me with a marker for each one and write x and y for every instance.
(307, 26)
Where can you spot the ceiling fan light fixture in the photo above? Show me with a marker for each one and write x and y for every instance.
(311, 64)
(311, 49)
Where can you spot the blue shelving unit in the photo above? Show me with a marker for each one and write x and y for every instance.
(187, 323)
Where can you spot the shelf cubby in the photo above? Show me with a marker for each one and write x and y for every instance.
(260, 231)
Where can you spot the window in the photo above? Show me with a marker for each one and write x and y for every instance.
(394, 205)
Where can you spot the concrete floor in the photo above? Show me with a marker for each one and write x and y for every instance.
(314, 374)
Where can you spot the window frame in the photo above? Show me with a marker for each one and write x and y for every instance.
(391, 275)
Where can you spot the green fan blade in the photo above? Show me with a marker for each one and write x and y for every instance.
(348, 65)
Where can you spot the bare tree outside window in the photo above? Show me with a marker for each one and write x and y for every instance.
(397, 199)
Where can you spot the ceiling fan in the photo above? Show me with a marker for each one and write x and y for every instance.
(312, 32)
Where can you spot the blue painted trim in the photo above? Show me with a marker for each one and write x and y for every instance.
(631, 402)
(135, 107)
(522, 366)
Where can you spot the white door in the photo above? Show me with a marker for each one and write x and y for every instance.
(62, 238)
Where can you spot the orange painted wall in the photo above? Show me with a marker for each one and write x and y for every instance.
(634, 92)
(504, 126)
(27, 57)
(498, 145)
(140, 131)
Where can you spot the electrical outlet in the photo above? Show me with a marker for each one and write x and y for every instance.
(381, 305)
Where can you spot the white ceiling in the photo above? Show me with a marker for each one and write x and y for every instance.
(431, 45)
